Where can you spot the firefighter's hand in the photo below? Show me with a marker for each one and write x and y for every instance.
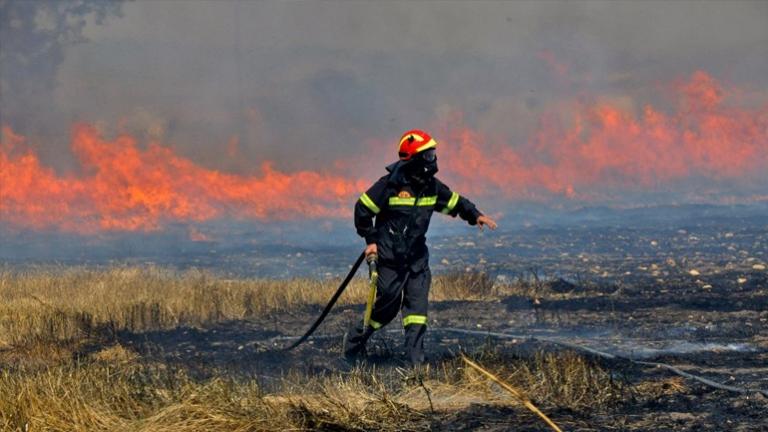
(371, 249)
(486, 221)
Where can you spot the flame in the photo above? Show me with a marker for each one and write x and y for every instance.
(124, 187)
(609, 147)
(586, 150)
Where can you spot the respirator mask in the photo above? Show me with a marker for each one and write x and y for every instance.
(423, 166)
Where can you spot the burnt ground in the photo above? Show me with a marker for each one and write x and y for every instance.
(718, 332)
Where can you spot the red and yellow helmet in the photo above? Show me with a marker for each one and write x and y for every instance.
(413, 142)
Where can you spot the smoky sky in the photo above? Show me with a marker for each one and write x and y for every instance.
(306, 83)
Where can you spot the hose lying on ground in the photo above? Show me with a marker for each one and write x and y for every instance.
(331, 302)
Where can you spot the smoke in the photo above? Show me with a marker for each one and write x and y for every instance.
(595, 150)
(34, 35)
(592, 151)
(304, 84)
(263, 111)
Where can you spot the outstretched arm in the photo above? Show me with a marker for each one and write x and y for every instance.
(453, 204)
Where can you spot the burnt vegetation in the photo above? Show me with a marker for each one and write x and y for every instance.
(155, 349)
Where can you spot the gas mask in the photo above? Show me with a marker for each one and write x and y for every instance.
(423, 166)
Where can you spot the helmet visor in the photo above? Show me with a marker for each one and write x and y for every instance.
(429, 155)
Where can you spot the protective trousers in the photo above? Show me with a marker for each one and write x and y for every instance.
(397, 289)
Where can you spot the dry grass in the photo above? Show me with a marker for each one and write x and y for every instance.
(135, 397)
(73, 304)
(48, 316)
(76, 303)
(556, 379)
(658, 388)
(109, 394)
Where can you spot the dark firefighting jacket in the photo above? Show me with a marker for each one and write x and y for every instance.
(402, 210)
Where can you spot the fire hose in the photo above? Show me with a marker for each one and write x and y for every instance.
(373, 274)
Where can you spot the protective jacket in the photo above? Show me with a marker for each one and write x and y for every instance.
(402, 209)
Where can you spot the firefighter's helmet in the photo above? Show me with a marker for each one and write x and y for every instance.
(413, 142)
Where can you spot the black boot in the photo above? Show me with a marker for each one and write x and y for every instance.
(353, 345)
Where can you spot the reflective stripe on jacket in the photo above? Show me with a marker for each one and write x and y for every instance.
(383, 213)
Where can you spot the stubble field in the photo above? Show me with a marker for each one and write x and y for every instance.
(151, 349)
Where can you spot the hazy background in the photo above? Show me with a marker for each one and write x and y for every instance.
(304, 83)
(566, 104)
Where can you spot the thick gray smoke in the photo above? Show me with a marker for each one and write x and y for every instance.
(305, 83)
(230, 84)
(34, 36)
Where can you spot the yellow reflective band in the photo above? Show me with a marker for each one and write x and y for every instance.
(368, 202)
(423, 202)
(430, 144)
(451, 203)
(414, 319)
(397, 201)
(375, 324)
(427, 201)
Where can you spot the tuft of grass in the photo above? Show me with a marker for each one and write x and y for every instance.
(659, 388)
(562, 379)
(116, 354)
(567, 379)
(464, 286)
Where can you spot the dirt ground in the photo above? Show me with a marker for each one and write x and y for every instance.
(718, 333)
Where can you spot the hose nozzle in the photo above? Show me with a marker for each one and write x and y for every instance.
(372, 261)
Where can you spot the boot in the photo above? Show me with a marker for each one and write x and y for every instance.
(353, 344)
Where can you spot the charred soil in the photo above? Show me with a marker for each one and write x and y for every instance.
(716, 334)
(197, 353)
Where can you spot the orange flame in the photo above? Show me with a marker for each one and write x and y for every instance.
(601, 149)
(127, 188)
(608, 147)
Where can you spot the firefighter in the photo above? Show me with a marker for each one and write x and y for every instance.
(393, 216)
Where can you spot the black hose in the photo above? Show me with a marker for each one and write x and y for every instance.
(330, 304)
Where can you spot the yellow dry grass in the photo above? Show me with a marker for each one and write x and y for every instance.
(75, 303)
(47, 316)
(128, 395)
(142, 398)
(657, 388)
